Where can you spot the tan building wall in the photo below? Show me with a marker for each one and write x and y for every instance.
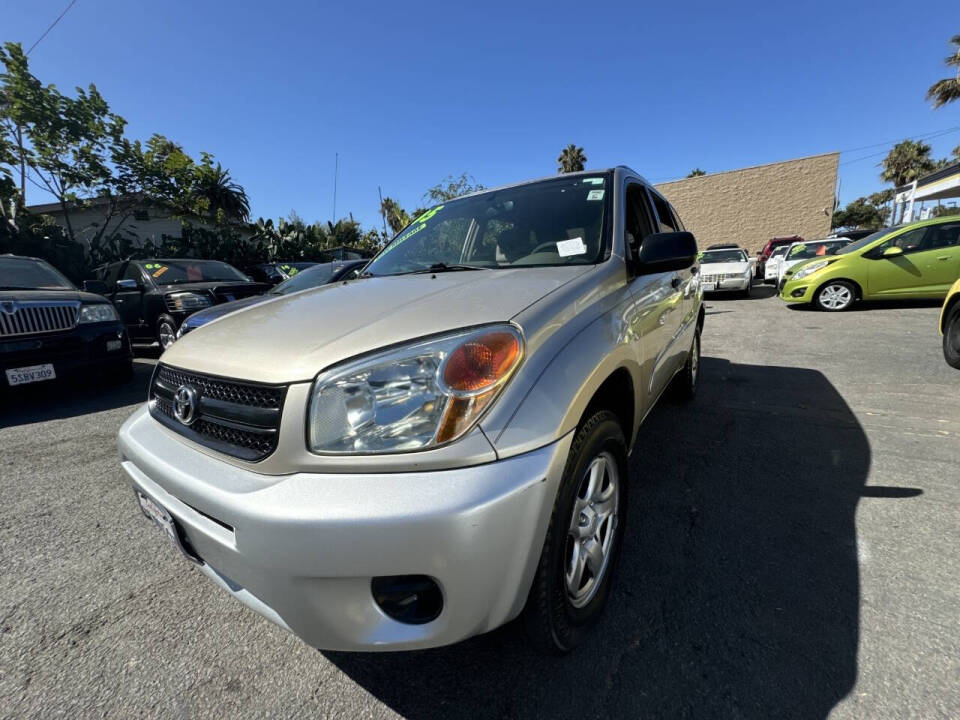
(752, 205)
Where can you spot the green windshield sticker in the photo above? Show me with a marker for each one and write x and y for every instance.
(150, 266)
(419, 224)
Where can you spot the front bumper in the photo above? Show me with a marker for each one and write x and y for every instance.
(731, 285)
(797, 291)
(86, 347)
(302, 549)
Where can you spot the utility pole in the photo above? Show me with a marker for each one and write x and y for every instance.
(336, 168)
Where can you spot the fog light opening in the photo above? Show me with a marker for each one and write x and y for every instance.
(798, 292)
(410, 599)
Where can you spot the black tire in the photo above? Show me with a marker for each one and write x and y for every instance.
(835, 296)
(686, 382)
(951, 336)
(749, 291)
(166, 331)
(554, 621)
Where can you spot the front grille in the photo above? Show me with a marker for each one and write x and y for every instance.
(36, 317)
(237, 418)
(709, 278)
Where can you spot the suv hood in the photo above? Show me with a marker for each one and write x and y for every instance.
(293, 338)
(43, 295)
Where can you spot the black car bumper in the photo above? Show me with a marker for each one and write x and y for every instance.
(86, 348)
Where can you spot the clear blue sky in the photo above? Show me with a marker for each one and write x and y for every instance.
(408, 93)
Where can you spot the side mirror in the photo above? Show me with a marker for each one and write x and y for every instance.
(663, 252)
(127, 284)
(893, 251)
(95, 286)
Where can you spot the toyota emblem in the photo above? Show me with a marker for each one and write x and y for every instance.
(185, 404)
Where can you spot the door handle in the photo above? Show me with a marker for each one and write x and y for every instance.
(943, 257)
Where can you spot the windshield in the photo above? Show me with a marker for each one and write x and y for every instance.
(173, 272)
(777, 252)
(28, 274)
(854, 246)
(723, 256)
(313, 276)
(814, 248)
(552, 222)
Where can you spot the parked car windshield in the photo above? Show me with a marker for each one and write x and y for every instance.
(779, 250)
(312, 277)
(814, 248)
(172, 272)
(552, 222)
(723, 256)
(22, 273)
(862, 243)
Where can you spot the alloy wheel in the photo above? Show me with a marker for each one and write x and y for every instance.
(593, 528)
(836, 297)
(167, 335)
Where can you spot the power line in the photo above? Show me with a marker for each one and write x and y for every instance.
(52, 26)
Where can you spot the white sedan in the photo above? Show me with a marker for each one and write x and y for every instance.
(726, 270)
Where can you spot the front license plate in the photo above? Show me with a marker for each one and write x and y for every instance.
(156, 513)
(709, 287)
(30, 374)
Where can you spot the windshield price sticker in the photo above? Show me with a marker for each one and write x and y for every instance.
(593, 181)
(419, 224)
(595, 195)
(161, 271)
(573, 246)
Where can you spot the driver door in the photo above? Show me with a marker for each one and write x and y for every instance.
(129, 301)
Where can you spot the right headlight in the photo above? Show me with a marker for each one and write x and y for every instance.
(415, 397)
(810, 269)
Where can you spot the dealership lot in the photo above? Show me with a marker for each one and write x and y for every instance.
(791, 552)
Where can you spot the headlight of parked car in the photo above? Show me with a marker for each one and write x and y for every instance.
(102, 312)
(187, 301)
(810, 269)
(415, 397)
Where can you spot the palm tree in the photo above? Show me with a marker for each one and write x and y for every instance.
(907, 161)
(571, 159)
(696, 172)
(948, 89)
(222, 195)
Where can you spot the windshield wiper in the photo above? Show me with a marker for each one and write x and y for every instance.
(444, 267)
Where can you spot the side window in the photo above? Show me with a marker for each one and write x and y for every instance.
(109, 275)
(942, 236)
(910, 242)
(667, 221)
(637, 219)
(132, 272)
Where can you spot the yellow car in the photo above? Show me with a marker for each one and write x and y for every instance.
(950, 326)
(920, 260)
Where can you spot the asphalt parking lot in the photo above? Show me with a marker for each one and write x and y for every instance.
(792, 552)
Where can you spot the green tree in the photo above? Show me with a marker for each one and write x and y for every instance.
(907, 161)
(216, 192)
(396, 217)
(696, 172)
(861, 213)
(947, 90)
(451, 187)
(571, 159)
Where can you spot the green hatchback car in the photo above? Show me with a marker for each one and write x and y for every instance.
(919, 260)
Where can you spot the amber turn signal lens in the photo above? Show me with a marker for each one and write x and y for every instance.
(481, 362)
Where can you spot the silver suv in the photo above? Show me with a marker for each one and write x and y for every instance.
(423, 453)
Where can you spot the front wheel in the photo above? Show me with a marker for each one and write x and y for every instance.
(166, 332)
(951, 337)
(835, 296)
(578, 560)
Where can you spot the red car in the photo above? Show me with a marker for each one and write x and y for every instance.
(773, 243)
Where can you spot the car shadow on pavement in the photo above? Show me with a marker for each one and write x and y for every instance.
(868, 305)
(69, 398)
(738, 586)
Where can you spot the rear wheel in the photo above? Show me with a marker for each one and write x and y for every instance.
(577, 564)
(835, 296)
(686, 381)
(951, 336)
